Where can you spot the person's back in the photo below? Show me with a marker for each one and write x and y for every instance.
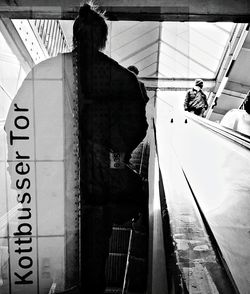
(111, 123)
(196, 100)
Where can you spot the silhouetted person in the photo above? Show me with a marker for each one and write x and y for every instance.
(111, 117)
(112, 123)
(135, 70)
(196, 100)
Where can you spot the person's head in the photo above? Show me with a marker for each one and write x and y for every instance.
(90, 28)
(246, 103)
(134, 69)
(199, 83)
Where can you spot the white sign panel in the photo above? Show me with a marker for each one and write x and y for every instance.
(39, 187)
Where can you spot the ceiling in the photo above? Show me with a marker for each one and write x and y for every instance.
(237, 79)
(153, 10)
(169, 55)
(184, 50)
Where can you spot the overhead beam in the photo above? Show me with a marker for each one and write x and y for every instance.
(175, 84)
(142, 10)
(237, 87)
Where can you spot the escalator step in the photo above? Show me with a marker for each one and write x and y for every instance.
(119, 240)
(115, 269)
(113, 290)
(116, 263)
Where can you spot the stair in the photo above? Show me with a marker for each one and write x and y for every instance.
(126, 268)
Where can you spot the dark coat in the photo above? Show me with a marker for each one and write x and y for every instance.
(112, 119)
(195, 101)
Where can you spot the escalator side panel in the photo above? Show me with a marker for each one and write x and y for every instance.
(218, 171)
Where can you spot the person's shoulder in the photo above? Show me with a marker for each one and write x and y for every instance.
(141, 83)
(231, 113)
(231, 116)
(239, 113)
(103, 58)
(235, 112)
(118, 68)
(191, 91)
(228, 119)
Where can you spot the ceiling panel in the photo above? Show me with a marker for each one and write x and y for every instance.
(240, 70)
(167, 49)
(227, 102)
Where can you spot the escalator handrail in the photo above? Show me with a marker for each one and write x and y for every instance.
(229, 283)
(238, 138)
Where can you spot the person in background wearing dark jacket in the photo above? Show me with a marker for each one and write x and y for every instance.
(135, 70)
(111, 123)
(196, 100)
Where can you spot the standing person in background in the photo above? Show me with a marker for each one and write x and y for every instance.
(196, 100)
(111, 123)
(239, 119)
(135, 70)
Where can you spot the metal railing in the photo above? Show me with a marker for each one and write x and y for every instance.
(52, 35)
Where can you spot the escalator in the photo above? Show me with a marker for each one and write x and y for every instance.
(203, 191)
(195, 245)
(126, 269)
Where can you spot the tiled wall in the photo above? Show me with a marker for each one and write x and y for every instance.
(33, 185)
